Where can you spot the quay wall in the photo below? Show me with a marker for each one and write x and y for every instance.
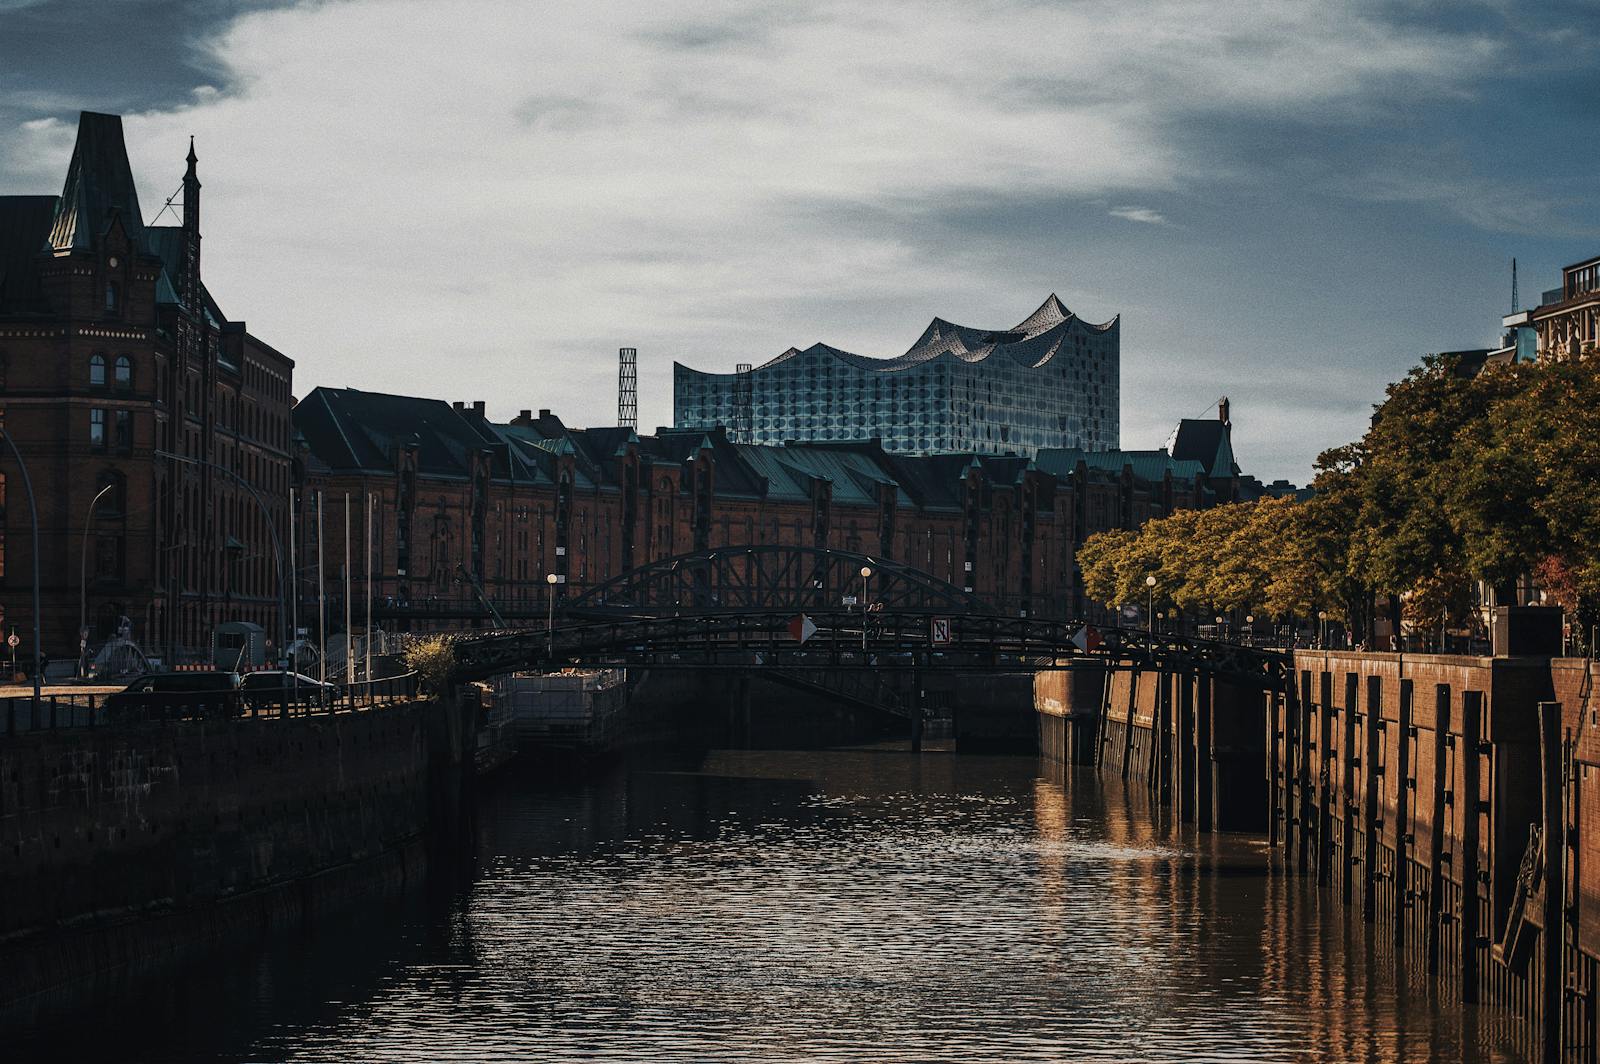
(123, 848)
(1452, 802)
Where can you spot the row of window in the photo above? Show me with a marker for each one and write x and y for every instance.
(121, 370)
(121, 430)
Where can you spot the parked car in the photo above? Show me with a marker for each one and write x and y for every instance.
(277, 687)
(211, 694)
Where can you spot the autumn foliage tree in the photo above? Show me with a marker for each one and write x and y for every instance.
(1463, 476)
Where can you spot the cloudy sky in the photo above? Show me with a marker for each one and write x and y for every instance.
(1287, 202)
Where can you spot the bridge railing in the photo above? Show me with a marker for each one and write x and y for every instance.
(843, 639)
(62, 712)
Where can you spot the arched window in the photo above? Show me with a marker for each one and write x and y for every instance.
(97, 371)
(113, 295)
(124, 372)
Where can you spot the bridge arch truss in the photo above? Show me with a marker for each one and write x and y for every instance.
(775, 577)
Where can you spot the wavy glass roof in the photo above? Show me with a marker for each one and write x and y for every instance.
(1032, 342)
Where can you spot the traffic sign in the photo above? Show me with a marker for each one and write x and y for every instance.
(802, 628)
(1087, 639)
(939, 631)
(12, 641)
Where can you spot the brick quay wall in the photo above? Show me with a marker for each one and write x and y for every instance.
(1451, 801)
(124, 848)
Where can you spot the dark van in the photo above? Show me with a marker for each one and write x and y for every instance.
(211, 694)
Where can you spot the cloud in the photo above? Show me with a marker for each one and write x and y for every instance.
(1139, 214)
(487, 198)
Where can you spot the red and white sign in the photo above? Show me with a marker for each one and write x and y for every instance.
(802, 628)
(939, 631)
(1087, 640)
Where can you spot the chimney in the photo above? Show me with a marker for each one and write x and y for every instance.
(477, 407)
(543, 413)
(1222, 411)
(457, 406)
(526, 415)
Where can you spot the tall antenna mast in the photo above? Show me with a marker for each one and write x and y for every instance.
(1516, 304)
(743, 401)
(628, 387)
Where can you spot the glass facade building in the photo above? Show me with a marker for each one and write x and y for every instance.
(1050, 381)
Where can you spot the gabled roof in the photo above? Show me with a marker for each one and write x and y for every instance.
(24, 229)
(99, 184)
(1152, 466)
(1206, 441)
(348, 429)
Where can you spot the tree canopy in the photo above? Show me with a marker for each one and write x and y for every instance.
(1462, 476)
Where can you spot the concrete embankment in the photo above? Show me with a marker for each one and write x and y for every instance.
(1450, 801)
(123, 849)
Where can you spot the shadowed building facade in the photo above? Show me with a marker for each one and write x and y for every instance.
(1052, 380)
(457, 499)
(111, 350)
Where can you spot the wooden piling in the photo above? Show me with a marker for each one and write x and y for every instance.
(1280, 766)
(1184, 785)
(1436, 826)
(1325, 788)
(1127, 733)
(1470, 802)
(1552, 939)
(1371, 785)
(1204, 766)
(1306, 811)
(1347, 799)
(1405, 782)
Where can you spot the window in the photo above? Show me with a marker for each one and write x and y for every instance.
(113, 295)
(108, 557)
(124, 431)
(97, 429)
(97, 371)
(124, 372)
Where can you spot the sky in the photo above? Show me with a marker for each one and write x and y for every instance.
(1288, 203)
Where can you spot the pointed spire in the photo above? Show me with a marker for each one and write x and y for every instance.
(192, 157)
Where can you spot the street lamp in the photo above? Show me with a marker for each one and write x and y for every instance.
(1222, 633)
(83, 581)
(1150, 609)
(866, 584)
(1322, 638)
(550, 623)
(1250, 629)
(33, 518)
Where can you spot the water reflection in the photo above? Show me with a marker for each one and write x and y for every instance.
(843, 905)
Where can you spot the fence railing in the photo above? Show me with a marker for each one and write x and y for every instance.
(60, 712)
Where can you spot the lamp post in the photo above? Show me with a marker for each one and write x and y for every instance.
(1250, 629)
(1150, 608)
(272, 529)
(83, 579)
(866, 585)
(33, 519)
(551, 579)
(1222, 633)
(1322, 635)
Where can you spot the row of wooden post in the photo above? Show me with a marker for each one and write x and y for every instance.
(1179, 766)
(1305, 793)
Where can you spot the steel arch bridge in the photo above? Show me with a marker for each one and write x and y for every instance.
(849, 640)
(773, 577)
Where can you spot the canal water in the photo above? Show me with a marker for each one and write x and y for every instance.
(847, 905)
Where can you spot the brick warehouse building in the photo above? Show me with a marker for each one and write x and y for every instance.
(455, 494)
(112, 349)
